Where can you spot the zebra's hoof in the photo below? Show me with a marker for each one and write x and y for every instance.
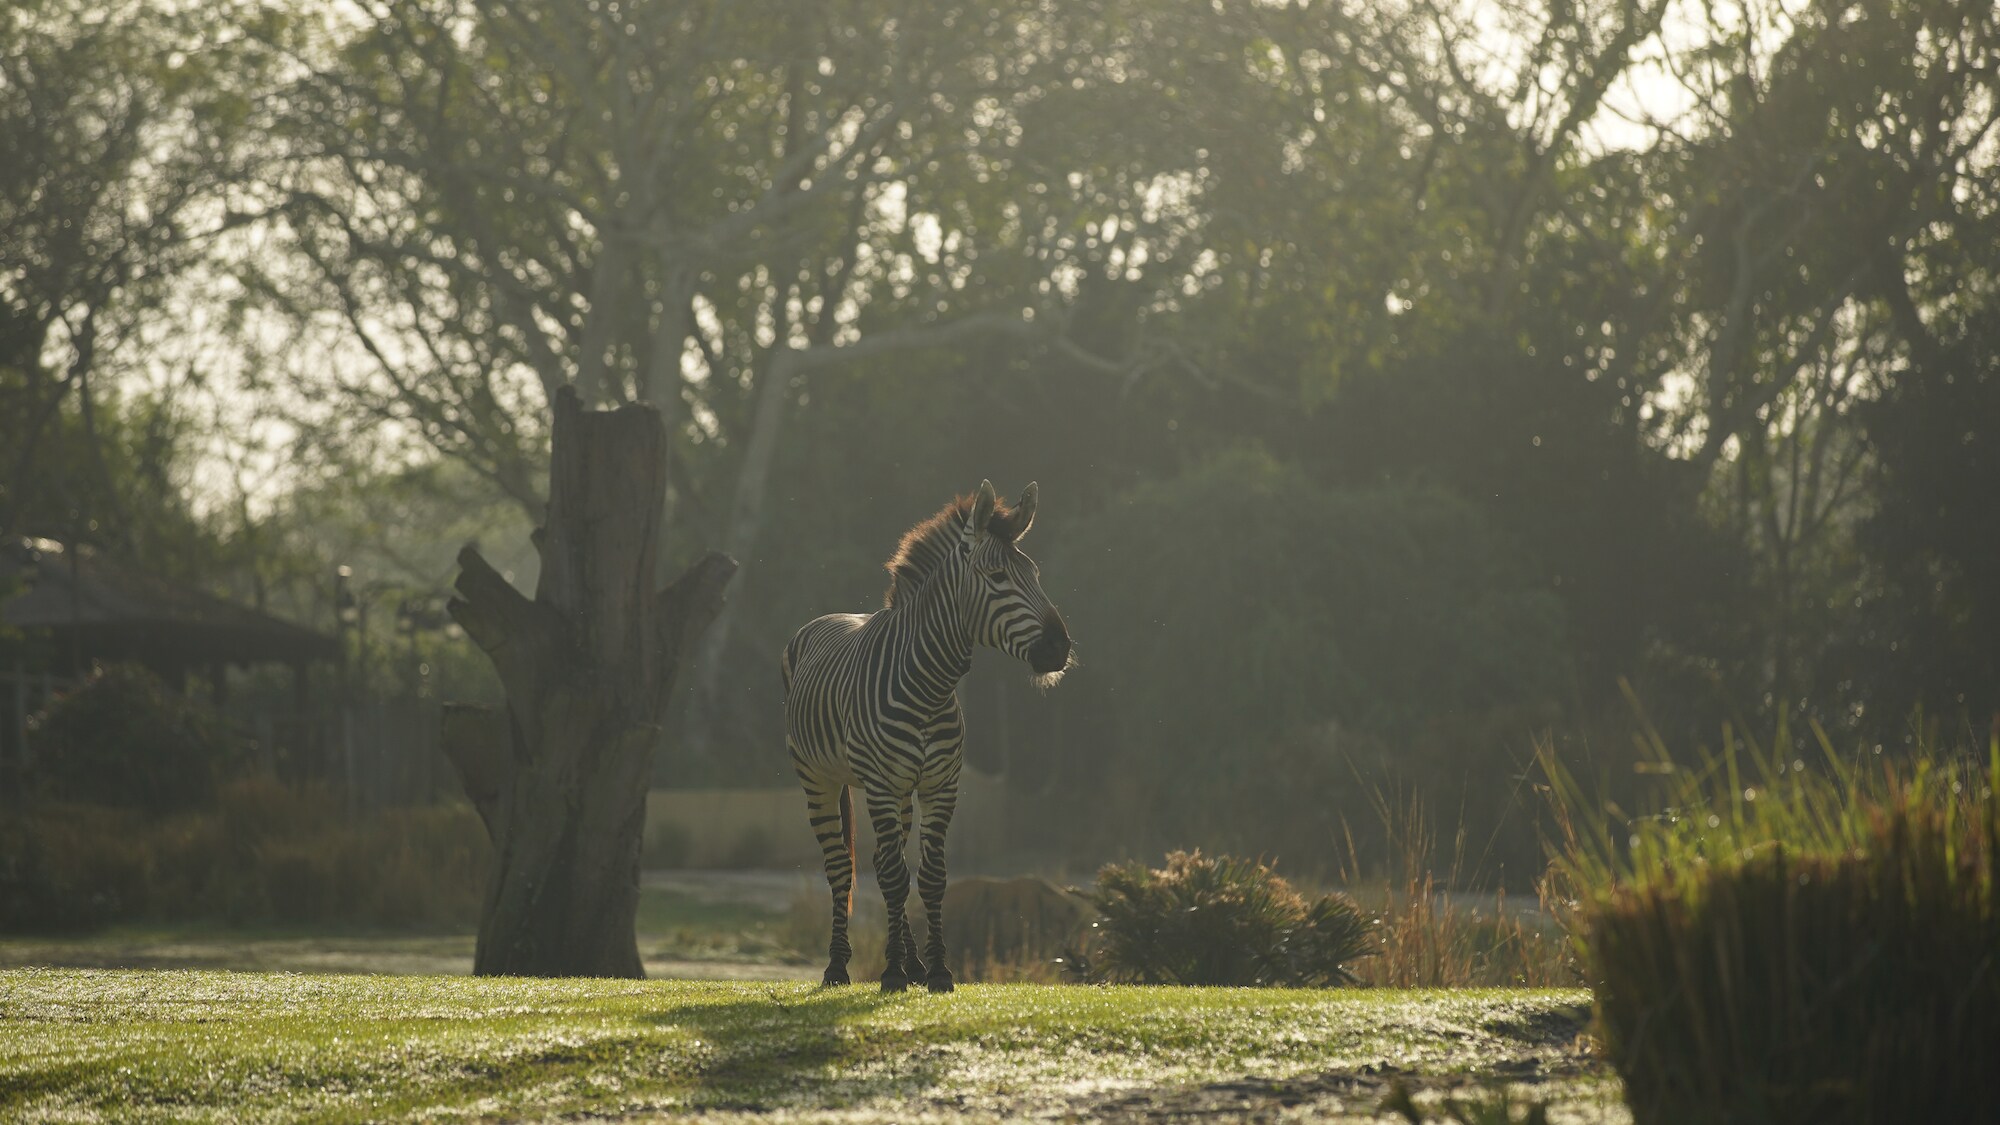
(914, 971)
(834, 976)
(939, 981)
(892, 983)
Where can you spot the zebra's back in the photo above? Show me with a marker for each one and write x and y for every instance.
(818, 666)
(813, 647)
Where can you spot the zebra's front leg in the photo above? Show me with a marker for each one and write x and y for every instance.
(939, 804)
(891, 872)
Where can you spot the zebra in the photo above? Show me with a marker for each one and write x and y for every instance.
(870, 700)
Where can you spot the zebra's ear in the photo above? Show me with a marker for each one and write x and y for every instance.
(982, 512)
(1024, 510)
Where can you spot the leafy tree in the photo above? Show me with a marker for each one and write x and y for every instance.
(690, 204)
(1922, 637)
(124, 739)
(128, 128)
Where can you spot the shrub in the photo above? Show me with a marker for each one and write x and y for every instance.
(1224, 921)
(265, 853)
(66, 868)
(1800, 946)
(122, 739)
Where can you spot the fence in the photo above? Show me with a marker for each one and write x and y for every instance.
(22, 694)
(379, 752)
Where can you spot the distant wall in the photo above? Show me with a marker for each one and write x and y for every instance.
(766, 828)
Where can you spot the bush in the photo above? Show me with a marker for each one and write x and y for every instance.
(123, 740)
(65, 868)
(264, 854)
(1223, 921)
(1807, 947)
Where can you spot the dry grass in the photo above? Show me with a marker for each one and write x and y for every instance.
(808, 925)
(997, 931)
(1433, 933)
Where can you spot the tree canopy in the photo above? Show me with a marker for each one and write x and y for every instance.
(1424, 372)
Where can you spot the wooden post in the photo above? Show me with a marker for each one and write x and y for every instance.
(560, 774)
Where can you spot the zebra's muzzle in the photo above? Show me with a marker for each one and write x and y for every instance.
(1051, 652)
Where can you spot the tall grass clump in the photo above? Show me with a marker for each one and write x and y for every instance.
(1222, 920)
(1782, 942)
(1443, 925)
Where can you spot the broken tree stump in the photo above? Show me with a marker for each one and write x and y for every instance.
(560, 773)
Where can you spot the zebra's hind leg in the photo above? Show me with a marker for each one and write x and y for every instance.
(884, 812)
(913, 966)
(834, 827)
(939, 804)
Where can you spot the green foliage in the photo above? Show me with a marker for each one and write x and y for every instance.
(1242, 599)
(1603, 525)
(1784, 943)
(123, 739)
(1242, 621)
(263, 854)
(1221, 920)
(130, 133)
(1936, 439)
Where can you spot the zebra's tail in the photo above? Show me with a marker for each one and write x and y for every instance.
(847, 834)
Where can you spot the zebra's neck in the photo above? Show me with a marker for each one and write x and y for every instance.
(933, 637)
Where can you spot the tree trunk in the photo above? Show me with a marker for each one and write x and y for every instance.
(560, 774)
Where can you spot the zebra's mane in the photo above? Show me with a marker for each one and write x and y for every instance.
(925, 545)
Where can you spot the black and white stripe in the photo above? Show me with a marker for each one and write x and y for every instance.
(870, 702)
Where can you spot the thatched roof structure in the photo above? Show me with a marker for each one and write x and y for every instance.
(107, 611)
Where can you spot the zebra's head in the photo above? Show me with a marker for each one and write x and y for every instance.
(1011, 613)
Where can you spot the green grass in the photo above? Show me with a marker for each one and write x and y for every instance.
(79, 1045)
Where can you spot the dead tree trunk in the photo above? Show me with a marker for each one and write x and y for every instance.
(560, 774)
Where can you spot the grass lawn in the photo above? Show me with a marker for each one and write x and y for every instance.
(97, 1045)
